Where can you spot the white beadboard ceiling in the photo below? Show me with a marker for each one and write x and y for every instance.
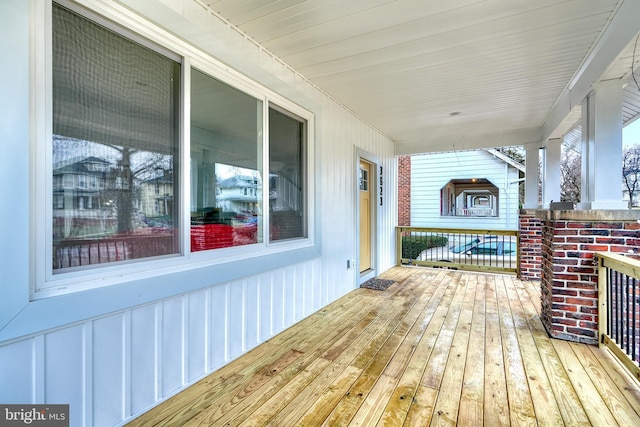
(435, 74)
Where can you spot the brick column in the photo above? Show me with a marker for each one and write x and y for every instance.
(404, 191)
(569, 281)
(530, 245)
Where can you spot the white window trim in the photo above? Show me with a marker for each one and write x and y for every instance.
(43, 282)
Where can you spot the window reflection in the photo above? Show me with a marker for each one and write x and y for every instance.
(115, 144)
(226, 182)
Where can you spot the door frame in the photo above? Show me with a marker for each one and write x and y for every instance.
(373, 179)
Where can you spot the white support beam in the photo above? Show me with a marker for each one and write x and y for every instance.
(532, 176)
(551, 176)
(620, 31)
(602, 148)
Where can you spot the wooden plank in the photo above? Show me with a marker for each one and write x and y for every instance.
(471, 410)
(406, 395)
(219, 385)
(448, 403)
(496, 413)
(521, 410)
(438, 361)
(593, 405)
(624, 410)
(547, 412)
(438, 347)
(374, 365)
(627, 385)
(566, 398)
(421, 407)
(368, 341)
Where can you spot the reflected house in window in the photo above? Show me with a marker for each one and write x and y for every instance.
(81, 203)
(238, 193)
(156, 196)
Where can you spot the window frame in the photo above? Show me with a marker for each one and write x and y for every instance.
(45, 284)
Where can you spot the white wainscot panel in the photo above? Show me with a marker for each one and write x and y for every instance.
(289, 297)
(278, 295)
(144, 357)
(16, 372)
(252, 312)
(299, 281)
(266, 309)
(197, 334)
(236, 317)
(172, 344)
(64, 370)
(108, 368)
(218, 334)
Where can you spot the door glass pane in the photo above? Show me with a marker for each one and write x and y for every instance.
(226, 177)
(115, 140)
(286, 179)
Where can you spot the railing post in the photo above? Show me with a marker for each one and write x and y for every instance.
(602, 300)
(398, 246)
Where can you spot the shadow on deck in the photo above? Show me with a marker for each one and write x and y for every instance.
(439, 347)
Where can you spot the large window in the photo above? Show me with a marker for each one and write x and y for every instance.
(115, 137)
(226, 172)
(286, 178)
(114, 186)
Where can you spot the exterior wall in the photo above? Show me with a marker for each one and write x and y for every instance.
(569, 271)
(431, 172)
(115, 351)
(404, 190)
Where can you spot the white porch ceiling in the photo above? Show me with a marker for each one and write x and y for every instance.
(453, 74)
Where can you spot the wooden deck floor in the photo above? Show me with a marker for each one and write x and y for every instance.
(439, 347)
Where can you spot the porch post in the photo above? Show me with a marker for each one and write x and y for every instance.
(551, 176)
(532, 176)
(602, 148)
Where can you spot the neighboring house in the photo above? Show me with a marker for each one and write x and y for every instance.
(463, 189)
(238, 193)
(156, 196)
(80, 205)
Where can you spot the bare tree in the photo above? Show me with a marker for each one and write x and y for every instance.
(570, 170)
(631, 171)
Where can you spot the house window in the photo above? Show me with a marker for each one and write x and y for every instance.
(116, 121)
(112, 181)
(475, 197)
(287, 149)
(226, 142)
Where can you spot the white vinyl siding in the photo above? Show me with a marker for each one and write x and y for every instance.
(431, 172)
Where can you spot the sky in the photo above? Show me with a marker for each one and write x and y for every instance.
(631, 133)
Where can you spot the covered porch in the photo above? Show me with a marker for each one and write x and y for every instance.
(438, 347)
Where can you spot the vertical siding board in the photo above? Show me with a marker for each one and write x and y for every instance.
(278, 298)
(172, 345)
(197, 335)
(143, 357)
(17, 362)
(266, 307)
(108, 370)
(218, 326)
(289, 296)
(64, 367)
(235, 315)
(252, 312)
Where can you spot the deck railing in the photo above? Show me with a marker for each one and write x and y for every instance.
(619, 307)
(479, 250)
